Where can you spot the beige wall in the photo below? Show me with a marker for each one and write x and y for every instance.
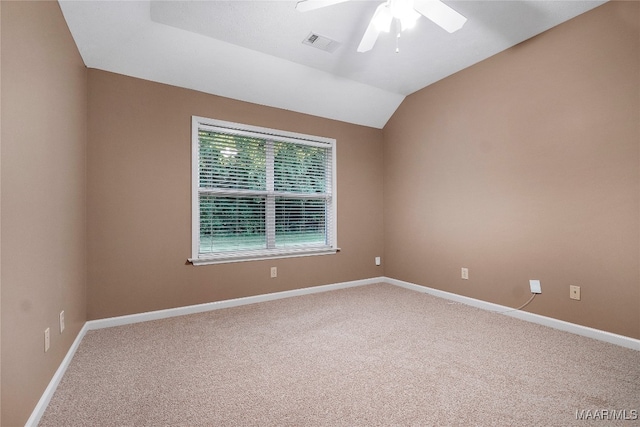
(0, 216)
(43, 199)
(526, 166)
(139, 200)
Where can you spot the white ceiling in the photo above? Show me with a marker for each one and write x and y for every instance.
(253, 50)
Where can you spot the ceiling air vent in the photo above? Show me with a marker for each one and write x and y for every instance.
(321, 42)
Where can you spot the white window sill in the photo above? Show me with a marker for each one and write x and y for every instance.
(223, 258)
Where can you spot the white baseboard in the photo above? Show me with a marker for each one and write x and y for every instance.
(584, 331)
(37, 413)
(217, 305)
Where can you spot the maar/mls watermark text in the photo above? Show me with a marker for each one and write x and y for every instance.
(607, 414)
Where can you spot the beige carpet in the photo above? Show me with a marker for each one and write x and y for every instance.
(375, 355)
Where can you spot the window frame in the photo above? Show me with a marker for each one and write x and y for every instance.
(197, 258)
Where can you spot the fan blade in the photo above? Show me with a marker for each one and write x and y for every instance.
(440, 13)
(381, 21)
(369, 38)
(306, 5)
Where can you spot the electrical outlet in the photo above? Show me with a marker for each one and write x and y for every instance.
(47, 339)
(535, 286)
(574, 292)
(274, 272)
(464, 273)
(377, 260)
(62, 321)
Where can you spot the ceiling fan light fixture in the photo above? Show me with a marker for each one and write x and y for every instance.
(408, 22)
(404, 11)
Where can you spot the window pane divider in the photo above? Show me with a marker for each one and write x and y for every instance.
(271, 202)
(232, 192)
(283, 194)
(240, 192)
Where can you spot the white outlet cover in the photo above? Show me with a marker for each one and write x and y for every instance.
(47, 340)
(535, 286)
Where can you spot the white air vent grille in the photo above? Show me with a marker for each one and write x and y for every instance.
(321, 42)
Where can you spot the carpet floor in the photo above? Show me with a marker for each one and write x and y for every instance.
(376, 355)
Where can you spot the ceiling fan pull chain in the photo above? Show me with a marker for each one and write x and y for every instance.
(398, 42)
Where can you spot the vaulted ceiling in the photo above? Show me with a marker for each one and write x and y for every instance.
(254, 51)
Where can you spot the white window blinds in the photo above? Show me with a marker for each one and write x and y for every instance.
(260, 193)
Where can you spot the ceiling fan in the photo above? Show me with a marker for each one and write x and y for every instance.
(406, 13)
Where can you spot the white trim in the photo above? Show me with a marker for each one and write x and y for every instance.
(38, 411)
(217, 305)
(40, 408)
(270, 135)
(195, 202)
(573, 328)
(248, 256)
(249, 130)
(585, 331)
(333, 226)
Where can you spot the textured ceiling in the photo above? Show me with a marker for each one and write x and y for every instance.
(253, 50)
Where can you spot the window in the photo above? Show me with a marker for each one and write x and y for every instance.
(260, 193)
